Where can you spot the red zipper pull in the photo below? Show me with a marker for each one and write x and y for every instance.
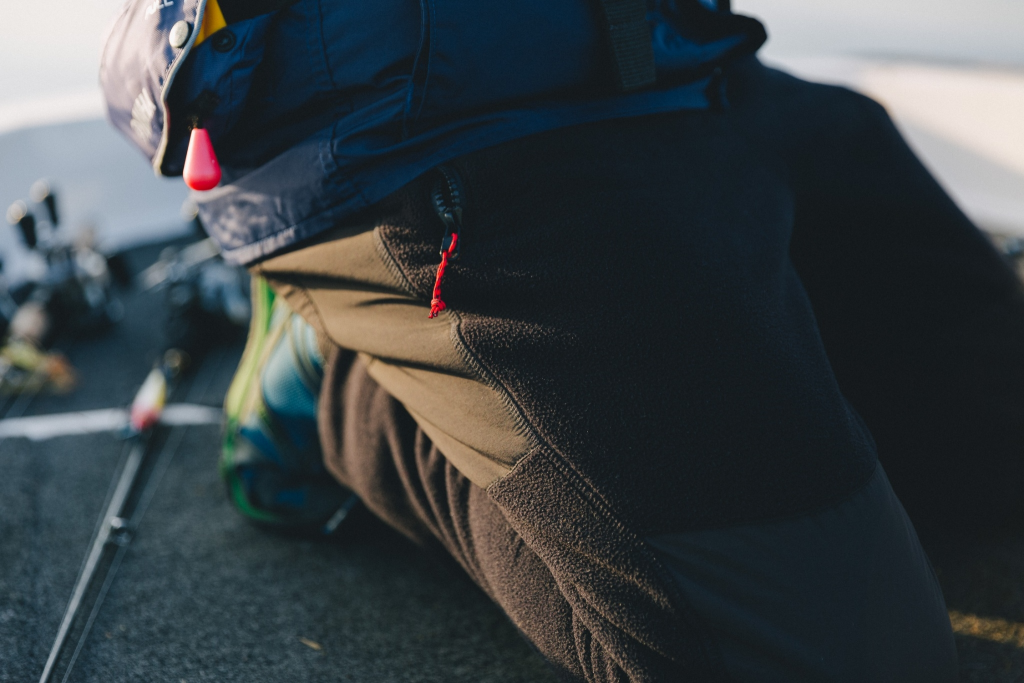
(447, 198)
(202, 170)
(436, 304)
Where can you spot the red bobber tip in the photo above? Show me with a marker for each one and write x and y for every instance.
(202, 171)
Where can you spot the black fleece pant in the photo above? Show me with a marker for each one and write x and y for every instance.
(637, 426)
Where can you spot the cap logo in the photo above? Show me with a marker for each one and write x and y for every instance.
(157, 6)
(142, 115)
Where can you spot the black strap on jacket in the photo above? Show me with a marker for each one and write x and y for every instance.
(630, 41)
(240, 10)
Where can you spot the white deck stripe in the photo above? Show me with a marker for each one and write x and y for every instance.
(43, 427)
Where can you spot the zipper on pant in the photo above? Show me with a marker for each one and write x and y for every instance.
(448, 200)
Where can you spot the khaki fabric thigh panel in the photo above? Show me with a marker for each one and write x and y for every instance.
(341, 284)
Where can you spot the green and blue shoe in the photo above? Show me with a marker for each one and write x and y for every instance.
(271, 461)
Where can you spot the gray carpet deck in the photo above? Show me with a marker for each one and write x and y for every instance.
(202, 595)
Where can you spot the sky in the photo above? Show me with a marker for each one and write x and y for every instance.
(51, 46)
(965, 31)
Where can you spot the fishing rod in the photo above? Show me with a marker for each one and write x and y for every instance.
(114, 528)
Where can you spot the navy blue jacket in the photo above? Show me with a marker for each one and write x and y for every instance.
(322, 108)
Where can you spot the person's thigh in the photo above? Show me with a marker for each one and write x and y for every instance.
(376, 448)
(836, 595)
(922, 320)
(844, 594)
(628, 354)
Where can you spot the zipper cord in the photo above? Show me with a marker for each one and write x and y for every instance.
(436, 304)
(447, 198)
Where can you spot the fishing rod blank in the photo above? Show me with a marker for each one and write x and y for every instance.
(114, 527)
(152, 484)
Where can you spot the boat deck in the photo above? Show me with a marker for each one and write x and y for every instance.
(203, 596)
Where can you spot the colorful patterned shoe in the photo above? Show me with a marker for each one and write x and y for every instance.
(271, 460)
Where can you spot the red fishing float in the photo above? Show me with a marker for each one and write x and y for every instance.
(202, 170)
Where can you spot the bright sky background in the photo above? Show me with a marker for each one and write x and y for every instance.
(51, 46)
(987, 31)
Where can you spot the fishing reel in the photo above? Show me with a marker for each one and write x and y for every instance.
(207, 299)
(67, 285)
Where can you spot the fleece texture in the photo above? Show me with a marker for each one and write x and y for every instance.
(607, 614)
(629, 285)
(690, 313)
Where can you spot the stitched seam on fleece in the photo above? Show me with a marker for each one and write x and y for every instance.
(523, 425)
(686, 615)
